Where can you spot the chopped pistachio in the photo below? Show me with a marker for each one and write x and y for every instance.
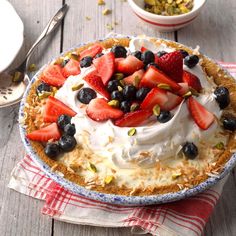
(188, 94)
(109, 26)
(156, 110)
(134, 107)
(59, 61)
(54, 90)
(150, 2)
(114, 103)
(119, 88)
(17, 77)
(44, 94)
(106, 11)
(194, 92)
(88, 18)
(108, 179)
(164, 86)
(76, 87)
(122, 83)
(137, 80)
(220, 146)
(118, 76)
(92, 167)
(132, 132)
(176, 175)
(32, 67)
(64, 62)
(101, 2)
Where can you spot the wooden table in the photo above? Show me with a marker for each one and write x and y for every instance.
(214, 30)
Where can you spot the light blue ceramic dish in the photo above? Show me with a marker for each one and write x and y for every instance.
(112, 198)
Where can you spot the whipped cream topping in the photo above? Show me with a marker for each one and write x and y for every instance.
(153, 141)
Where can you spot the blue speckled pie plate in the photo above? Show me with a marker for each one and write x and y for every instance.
(112, 198)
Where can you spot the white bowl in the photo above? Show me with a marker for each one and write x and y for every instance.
(12, 34)
(166, 23)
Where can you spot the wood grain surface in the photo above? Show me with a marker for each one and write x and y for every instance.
(214, 30)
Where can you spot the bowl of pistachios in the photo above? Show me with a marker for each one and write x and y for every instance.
(167, 15)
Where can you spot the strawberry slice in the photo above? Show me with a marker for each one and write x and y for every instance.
(133, 119)
(202, 117)
(154, 97)
(92, 51)
(172, 64)
(49, 132)
(117, 60)
(71, 68)
(99, 110)
(52, 75)
(173, 101)
(184, 89)
(106, 67)
(54, 108)
(135, 78)
(96, 83)
(153, 76)
(192, 80)
(129, 65)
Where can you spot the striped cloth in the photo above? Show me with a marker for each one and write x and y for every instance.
(186, 217)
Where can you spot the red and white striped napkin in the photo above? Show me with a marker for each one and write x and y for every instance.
(186, 217)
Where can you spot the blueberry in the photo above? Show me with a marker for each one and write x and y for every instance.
(63, 120)
(129, 92)
(137, 54)
(117, 95)
(67, 143)
(86, 62)
(184, 53)
(191, 61)
(161, 53)
(147, 57)
(125, 106)
(43, 88)
(152, 64)
(142, 93)
(164, 116)
(99, 55)
(52, 150)
(222, 97)
(190, 150)
(69, 129)
(229, 123)
(85, 95)
(119, 51)
(112, 85)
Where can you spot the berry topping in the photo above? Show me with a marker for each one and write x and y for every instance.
(71, 68)
(135, 118)
(92, 51)
(222, 97)
(184, 53)
(54, 108)
(152, 64)
(135, 78)
(129, 92)
(125, 106)
(117, 95)
(99, 110)
(67, 143)
(192, 81)
(112, 85)
(137, 54)
(52, 150)
(69, 129)
(119, 51)
(142, 93)
(106, 67)
(173, 101)
(43, 88)
(153, 77)
(129, 65)
(98, 55)
(52, 75)
(191, 61)
(47, 133)
(155, 97)
(202, 117)
(147, 57)
(63, 120)
(190, 150)
(164, 116)
(86, 62)
(229, 123)
(95, 82)
(172, 64)
(85, 95)
(161, 53)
